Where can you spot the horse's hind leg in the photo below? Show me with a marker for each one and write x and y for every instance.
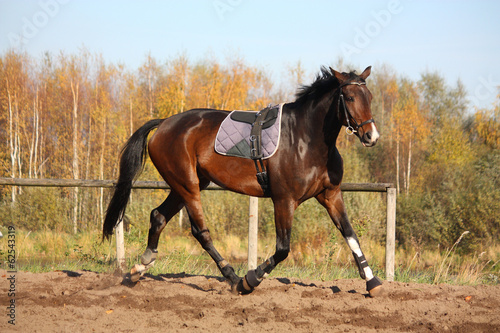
(159, 218)
(158, 221)
(191, 196)
(202, 235)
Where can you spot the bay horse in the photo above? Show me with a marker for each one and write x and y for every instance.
(306, 165)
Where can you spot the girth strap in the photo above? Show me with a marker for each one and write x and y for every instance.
(256, 148)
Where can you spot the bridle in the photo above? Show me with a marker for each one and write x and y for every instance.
(349, 129)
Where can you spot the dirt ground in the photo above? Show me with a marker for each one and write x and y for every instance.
(66, 301)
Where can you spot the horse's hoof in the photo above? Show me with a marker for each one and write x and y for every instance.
(241, 288)
(377, 291)
(374, 287)
(234, 288)
(136, 272)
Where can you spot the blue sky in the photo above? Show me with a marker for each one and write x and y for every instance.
(459, 39)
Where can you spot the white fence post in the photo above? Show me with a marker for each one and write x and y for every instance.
(181, 217)
(390, 243)
(120, 246)
(253, 215)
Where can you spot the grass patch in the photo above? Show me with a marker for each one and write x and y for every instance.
(179, 252)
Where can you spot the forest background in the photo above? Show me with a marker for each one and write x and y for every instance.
(68, 116)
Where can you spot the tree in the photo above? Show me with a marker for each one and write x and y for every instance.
(73, 88)
(411, 126)
(206, 83)
(172, 99)
(486, 126)
(150, 83)
(15, 103)
(445, 108)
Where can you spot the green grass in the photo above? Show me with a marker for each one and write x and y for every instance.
(179, 253)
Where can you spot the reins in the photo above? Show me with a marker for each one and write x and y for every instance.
(349, 129)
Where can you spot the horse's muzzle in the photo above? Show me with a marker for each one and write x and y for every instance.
(370, 137)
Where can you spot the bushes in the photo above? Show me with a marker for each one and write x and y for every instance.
(38, 209)
(466, 199)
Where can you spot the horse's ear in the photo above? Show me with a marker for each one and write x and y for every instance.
(338, 75)
(366, 72)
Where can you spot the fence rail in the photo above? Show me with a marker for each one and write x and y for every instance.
(44, 182)
(252, 247)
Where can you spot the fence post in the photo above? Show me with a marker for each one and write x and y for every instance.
(253, 215)
(390, 243)
(120, 246)
(181, 217)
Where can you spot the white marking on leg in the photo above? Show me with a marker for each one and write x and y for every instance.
(354, 245)
(368, 273)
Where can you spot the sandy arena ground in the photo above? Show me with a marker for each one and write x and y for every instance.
(66, 301)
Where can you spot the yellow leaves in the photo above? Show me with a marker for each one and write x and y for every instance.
(392, 90)
(451, 146)
(408, 118)
(487, 127)
(212, 85)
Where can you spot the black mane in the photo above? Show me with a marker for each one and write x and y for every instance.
(325, 82)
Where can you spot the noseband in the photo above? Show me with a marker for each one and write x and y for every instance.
(349, 129)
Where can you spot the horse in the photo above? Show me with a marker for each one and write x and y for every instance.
(307, 164)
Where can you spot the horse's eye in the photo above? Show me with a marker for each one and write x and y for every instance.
(350, 99)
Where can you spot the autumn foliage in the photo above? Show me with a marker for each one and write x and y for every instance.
(67, 116)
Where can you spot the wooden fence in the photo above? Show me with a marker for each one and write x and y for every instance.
(253, 211)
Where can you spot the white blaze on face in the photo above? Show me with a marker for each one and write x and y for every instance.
(354, 245)
(375, 134)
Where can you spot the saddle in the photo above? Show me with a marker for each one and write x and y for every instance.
(253, 135)
(269, 114)
(259, 121)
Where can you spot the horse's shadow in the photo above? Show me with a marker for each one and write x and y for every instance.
(176, 278)
(334, 289)
(172, 277)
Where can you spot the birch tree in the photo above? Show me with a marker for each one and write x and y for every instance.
(411, 127)
(15, 85)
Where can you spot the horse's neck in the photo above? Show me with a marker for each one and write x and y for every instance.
(319, 121)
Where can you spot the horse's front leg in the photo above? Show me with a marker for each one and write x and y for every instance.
(333, 202)
(283, 218)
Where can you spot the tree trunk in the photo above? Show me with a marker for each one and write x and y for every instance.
(12, 146)
(397, 165)
(131, 117)
(89, 149)
(34, 139)
(101, 172)
(37, 135)
(150, 91)
(76, 170)
(409, 167)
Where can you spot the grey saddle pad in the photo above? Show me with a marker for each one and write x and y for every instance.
(233, 137)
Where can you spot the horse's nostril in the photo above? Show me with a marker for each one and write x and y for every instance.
(369, 135)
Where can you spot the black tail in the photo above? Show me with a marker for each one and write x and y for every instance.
(131, 163)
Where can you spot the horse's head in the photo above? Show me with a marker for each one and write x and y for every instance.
(354, 106)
